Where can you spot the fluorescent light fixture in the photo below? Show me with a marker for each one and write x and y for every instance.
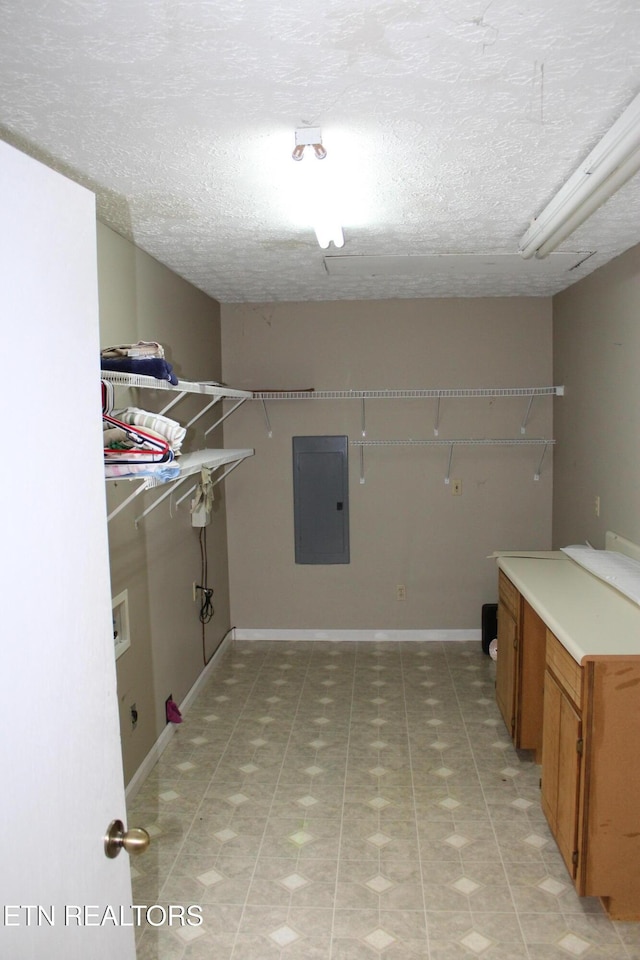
(607, 168)
(318, 189)
(327, 233)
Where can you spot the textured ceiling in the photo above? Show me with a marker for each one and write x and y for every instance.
(449, 124)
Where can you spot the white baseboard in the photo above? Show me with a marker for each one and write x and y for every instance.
(243, 633)
(167, 734)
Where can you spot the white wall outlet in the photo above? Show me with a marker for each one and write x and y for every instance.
(596, 506)
(401, 592)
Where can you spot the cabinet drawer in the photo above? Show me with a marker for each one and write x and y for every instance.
(565, 668)
(508, 595)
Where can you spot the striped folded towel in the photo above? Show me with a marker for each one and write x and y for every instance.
(171, 430)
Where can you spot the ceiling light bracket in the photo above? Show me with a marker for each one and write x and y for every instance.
(309, 137)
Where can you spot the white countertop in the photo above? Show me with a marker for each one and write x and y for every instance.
(589, 617)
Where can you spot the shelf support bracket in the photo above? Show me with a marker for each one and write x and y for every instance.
(523, 425)
(436, 425)
(266, 417)
(203, 411)
(176, 483)
(224, 416)
(536, 475)
(363, 433)
(447, 479)
(126, 502)
(191, 489)
(178, 397)
(163, 496)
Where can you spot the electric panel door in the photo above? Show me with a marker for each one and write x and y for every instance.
(321, 499)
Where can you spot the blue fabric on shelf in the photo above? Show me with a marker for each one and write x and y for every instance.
(149, 367)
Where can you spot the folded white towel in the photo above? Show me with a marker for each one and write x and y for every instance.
(143, 348)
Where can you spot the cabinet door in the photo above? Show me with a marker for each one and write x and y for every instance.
(506, 666)
(561, 762)
(530, 684)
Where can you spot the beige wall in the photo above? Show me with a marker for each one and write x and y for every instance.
(406, 527)
(158, 562)
(597, 357)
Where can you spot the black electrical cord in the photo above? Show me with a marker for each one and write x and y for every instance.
(206, 609)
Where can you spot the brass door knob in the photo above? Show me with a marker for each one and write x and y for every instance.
(134, 841)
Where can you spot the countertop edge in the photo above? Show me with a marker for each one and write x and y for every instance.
(589, 617)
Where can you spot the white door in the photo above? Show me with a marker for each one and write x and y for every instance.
(61, 767)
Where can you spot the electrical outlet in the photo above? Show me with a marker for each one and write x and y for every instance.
(401, 592)
(133, 713)
(456, 488)
(596, 506)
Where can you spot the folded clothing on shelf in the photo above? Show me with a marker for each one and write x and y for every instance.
(156, 367)
(143, 348)
(127, 443)
(134, 438)
(171, 430)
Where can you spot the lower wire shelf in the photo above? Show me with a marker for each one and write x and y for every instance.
(190, 464)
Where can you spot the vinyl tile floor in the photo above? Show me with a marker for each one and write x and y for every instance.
(353, 801)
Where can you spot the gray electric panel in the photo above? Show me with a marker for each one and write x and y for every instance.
(321, 499)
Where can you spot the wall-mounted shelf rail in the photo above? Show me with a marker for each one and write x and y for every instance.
(406, 394)
(507, 441)
(189, 463)
(436, 393)
(216, 391)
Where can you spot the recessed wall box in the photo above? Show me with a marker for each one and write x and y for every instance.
(120, 618)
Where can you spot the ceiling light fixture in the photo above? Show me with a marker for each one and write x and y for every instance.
(325, 224)
(328, 232)
(607, 168)
(309, 137)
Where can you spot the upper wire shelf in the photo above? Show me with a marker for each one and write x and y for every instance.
(435, 392)
(209, 388)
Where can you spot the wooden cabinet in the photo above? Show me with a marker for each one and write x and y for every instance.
(591, 773)
(568, 674)
(506, 666)
(562, 750)
(520, 667)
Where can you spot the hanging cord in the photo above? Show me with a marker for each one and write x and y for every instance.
(206, 610)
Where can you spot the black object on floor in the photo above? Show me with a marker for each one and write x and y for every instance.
(489, 624)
